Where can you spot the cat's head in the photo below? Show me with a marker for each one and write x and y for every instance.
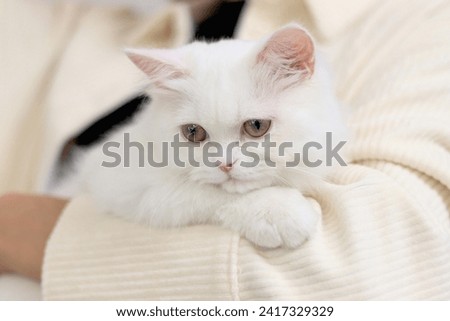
(260, 95)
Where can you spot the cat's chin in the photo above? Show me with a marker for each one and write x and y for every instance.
(235, 186)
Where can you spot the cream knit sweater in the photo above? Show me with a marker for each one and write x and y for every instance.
(385, 230)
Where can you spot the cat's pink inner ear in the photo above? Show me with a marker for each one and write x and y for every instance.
(290, 48)
(157, 64)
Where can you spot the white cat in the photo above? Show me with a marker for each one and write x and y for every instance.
(215, 95)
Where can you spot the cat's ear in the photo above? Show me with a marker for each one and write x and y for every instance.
(288, 53)
(162, 66)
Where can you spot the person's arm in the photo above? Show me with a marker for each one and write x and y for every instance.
(3, 269)
(26, 222)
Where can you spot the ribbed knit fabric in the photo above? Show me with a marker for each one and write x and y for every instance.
(120, 260)
(385, 230)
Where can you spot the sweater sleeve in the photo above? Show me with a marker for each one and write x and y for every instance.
(95, 256)
(385, 229)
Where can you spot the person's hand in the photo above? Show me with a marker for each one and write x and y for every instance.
(26, 222)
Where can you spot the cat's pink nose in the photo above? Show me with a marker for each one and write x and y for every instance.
(226, 167)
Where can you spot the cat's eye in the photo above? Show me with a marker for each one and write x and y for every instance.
(256, 127)
(194, 133)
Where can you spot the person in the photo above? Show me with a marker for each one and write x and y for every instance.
(385, 227)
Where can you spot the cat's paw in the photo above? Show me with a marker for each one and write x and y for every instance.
(263, 233)
(274, 220)
(282, 225)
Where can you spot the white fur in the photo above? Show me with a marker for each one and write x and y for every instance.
(266, 205)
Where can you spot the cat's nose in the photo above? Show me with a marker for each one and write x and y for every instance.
(226, 167)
